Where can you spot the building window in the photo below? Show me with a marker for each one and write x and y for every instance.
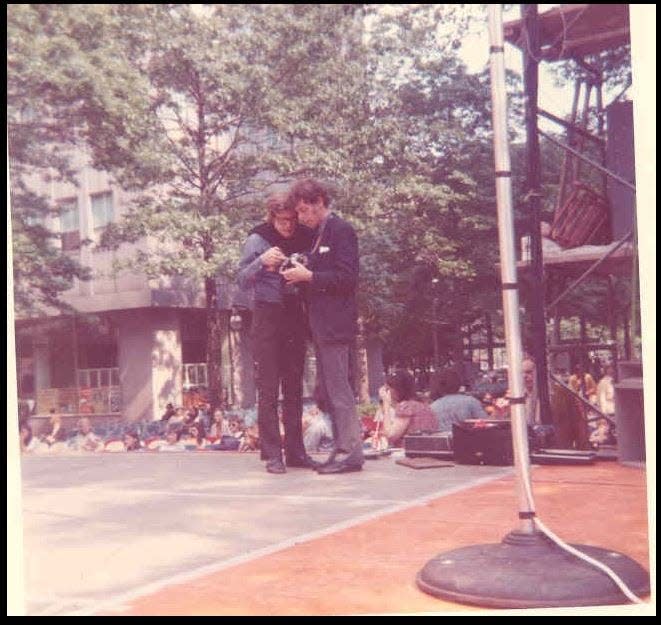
(98, 378)
(70, 225)
(103, 211)
(99, 391)
(195, 375)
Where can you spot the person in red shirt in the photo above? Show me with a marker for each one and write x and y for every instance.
(410, 414)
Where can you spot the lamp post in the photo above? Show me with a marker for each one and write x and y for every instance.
(434, 283)
(235, 326)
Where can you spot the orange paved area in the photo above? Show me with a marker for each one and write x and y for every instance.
(371, 568)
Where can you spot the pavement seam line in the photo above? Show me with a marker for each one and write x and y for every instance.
(119, 603)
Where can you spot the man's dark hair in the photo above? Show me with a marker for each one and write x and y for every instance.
(306, 190)
(403, 383)
(445, 382)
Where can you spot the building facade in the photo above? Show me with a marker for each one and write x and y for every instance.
(134, 344)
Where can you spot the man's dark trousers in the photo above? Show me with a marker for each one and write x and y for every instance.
(279, 343)
(335, 388)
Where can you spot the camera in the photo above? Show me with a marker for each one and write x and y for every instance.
(291, 261)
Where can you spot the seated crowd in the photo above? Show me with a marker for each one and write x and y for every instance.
(177, 430)
(401, 409)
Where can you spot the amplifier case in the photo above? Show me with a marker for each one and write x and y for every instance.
(428, 444)
(483, 442)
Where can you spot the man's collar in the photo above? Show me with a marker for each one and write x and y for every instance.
(322, 223)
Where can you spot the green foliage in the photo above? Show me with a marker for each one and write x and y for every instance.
(201, 110)
(367, 410)
(614, 65)
(42, 126)
(428, 205)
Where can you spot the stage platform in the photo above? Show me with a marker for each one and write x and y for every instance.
(214, 534)
(575, 261)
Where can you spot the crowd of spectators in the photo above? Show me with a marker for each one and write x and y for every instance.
(399, 409)
(177, 430)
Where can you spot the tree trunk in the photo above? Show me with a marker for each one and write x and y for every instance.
(487, 318)
(237, 366)
(627, 337)
(584, 329)
(215, 335)
(361, 365)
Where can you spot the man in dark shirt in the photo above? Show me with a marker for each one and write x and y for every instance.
(331, 280)
(279, 333)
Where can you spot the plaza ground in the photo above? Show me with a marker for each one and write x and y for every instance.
(211, 533)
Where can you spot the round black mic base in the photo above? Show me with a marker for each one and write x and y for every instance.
(530, 571)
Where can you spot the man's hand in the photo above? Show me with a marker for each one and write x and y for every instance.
(300, 273)
(272, 258)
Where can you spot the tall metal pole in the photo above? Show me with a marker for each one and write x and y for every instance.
(528, 568)
(435, 332)
(531, 53)
(508, 263)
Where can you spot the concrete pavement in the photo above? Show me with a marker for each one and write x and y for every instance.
(102, 529)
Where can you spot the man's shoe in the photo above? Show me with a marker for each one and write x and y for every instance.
(328, 460)
(275, 466)
(302, 461)
(340, 466)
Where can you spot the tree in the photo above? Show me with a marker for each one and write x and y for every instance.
(228, 96)
(430, 193)
(41, 126)
(238, 98)
(68, 92)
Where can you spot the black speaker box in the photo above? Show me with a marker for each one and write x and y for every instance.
(482, 441)
(428, 445)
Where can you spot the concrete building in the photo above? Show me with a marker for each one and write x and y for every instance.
(134, 344)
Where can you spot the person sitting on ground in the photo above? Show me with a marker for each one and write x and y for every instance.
(317, 429)
(204, 415)
(178, 418)
(235, 426)
(29, 443)
(250, 438)
(56, 433)
(169, 412)
(410, 414)
(193, 436)
(132, 441)
(219, 426)
(191, 415)
(172, 442)
(487, 404)
(376, 438)
(449, 405)
(85, 439)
